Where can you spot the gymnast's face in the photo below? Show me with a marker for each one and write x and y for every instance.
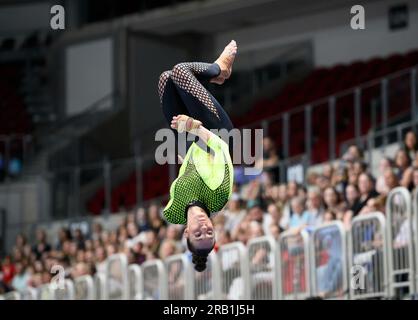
(199, 229)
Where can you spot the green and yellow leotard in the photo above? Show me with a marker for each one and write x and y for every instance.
(203, 178)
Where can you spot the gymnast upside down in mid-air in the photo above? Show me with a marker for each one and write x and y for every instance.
(204, 183)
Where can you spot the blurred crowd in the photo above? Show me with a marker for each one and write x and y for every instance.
(339, 190)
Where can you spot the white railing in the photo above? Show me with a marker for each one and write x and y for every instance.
(235, 273)
(155, 280)
(84, 288)
(367, 255)
(207, 284)
(264, 264)
(100, 286)
(295, 266)
(136, 282)
(329, 261)
(117, 287)
(400, 242)
(178, 269)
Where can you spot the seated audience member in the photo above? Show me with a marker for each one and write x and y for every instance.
(366, 188)
(233, 213)
(329, 216)
(272, 217)
(339, 178)
(404, 169)
(255, 211)
(376, 204)
(410, 144)
(381, 186)
(154, 218)
(21, 279)
(8, 270)
(223, 237)
(255, 230)
(353, 153)
(332, 199)
(391, 180)
(352, 198)
(315, 207)
(299, 218)
(167, 248)
(42, 245)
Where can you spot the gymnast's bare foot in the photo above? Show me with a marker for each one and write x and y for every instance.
(225, 62)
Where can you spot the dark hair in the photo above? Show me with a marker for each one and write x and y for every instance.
(199, 256)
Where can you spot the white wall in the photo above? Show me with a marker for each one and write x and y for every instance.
(89, 74)
(333, 39)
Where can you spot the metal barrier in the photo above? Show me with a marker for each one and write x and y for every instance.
(65, 293)
(136, 282)
(13, 295)
(117, 286)
(400, 243)
(28, 294)
(155, 280)
(178, 267)
(84, 288)
(207, 282)
(367, 252)
(100, 286)
(329, 261)
(45, 292)
(264, 264)
(235, 274)
(295, 274)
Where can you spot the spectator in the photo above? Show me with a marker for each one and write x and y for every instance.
(315, 207)
(42, 245)
(100, 259)
(410, 144)
(404, 169)
(353, 153)
(223, 237)
(391, 180)
(255, 212)
(339, 179)
(154, 218)
(167, 248)
(234, 213)
(21, 279)
(352, 198)
(97, 231)
(7, 270)
(332, 199)
(79, 239)
(64, 234)
(142, 220)
(384, 165)
(255, 230)
(367, 191)
(329, 216)
(271, 218)
(300, 218)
